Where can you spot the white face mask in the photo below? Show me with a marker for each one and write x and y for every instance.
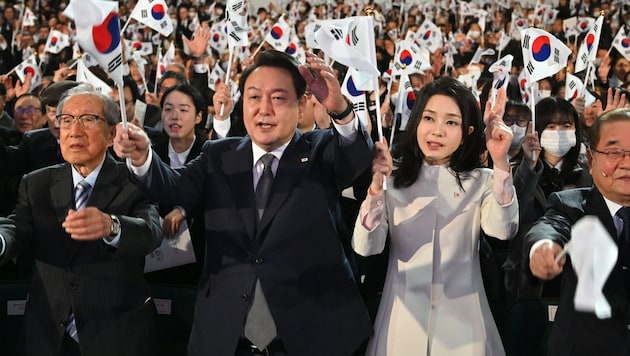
(474, 34)
(519, 135)
(558, 142)
(544, 93)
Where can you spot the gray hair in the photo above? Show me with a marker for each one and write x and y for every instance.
(110, 108)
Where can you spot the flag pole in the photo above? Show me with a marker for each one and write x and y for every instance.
(227, 76)
(121, 98)
(122, 31)
(532, 103)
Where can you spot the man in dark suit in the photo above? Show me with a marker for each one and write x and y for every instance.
(283, 255)
(577, 332)
(88, 294)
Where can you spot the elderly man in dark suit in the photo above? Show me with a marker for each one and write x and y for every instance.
(275, 280)
(88, 228)
(577, 332)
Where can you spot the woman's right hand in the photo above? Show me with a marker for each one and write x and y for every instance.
(381, 167)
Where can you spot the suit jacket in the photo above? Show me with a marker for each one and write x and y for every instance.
(575, 332)
(294, 250)
(38, 149)
(103, 286)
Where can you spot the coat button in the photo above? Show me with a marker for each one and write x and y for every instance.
(245, 297)
(74, 287)
(258, 261)
(63, 323)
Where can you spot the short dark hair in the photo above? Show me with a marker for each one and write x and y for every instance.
(179, 77)
(407, 155)
(276, 59)
(619, 114)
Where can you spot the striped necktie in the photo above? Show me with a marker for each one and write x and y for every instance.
(81, 195)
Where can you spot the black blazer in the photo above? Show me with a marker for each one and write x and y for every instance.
(580, 333)
(38, 149)
(294, 250)
(104, 286)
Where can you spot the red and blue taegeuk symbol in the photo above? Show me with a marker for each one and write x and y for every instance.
(500, 83)
(107, 35)
(625, 43)
(411, 99)
(541, 48)
(29, 70)
(292, 48)
(216, 37)
(276, 32)
(157, 11)
(405, 57)
(589, 40)
(137, 46)
(352, 88)
(426, 35)
(53, 41)
(522, 84)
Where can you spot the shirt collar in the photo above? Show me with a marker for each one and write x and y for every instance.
(91, 178)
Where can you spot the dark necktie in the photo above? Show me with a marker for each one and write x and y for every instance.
(624, 243)
(260, 328)
(263, 188)
(81, 195)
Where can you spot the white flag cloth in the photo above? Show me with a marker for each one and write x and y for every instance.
(98, 33)
(144, 48)
(406, 100)
(569, 26)
(501, 72)
(163, 61)
(429, 36)
(588, 48)
(217, 75)
(523, 85)
(218, 37)
(543, 54)
(409, 58)
(621, 43)
(349, 89)
(237, 14)
(236, 36)
(354, 47)
(518, 24)
(584, 24)
(28, 18)
(540, 11)
(593, 255)
(279, 35)
(480, 52)
(575, 88)
(29, 66)
(56, 42)
(84, 75)
(153, 13)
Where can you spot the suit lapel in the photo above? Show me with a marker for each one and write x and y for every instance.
(291, 168)
(106, 188)
(61, 192)
(237, 165)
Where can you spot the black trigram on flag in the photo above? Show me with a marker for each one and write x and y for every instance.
(337, 33)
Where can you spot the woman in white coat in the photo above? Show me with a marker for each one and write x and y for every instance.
(439, 198)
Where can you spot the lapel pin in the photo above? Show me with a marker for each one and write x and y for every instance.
(304, 159)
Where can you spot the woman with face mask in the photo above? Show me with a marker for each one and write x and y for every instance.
(549, 163)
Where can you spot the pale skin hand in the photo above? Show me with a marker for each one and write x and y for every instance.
(170, 225)
(498, 134)
(530, 145)
(615, 100)
(21, 88)
(87, 224)
(381, 167)
(543, 261)
(223, 97)
(199, 44)
(603, 69)
(323, 83)
(133, 143)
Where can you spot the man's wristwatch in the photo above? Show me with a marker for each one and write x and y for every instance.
(114, 230)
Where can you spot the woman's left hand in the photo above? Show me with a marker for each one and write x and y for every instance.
(498, 134)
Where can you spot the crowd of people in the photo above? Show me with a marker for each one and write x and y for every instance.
(312, 235)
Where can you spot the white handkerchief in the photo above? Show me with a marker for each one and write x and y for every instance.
(593, 254)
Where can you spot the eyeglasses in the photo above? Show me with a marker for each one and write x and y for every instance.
(29, 110)
(520, 120)
(87, 121)
(613, 154)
